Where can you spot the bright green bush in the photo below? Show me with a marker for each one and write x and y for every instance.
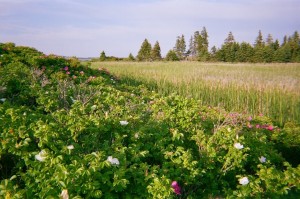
(86, 135)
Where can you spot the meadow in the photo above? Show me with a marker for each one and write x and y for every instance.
(268, 89)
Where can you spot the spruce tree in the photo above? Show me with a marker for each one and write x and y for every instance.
(229, 39)
(259, 50)
(269, 40)
(245, 53)
(230, 48)
(144, 53)
(259, 42)
(197, 39)
(155, 52)
(213, 53)
(191, 50)
(102, 56)
(202, 45)
(180, 47)
(130, 57)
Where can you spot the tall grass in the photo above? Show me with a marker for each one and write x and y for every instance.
(269, 89)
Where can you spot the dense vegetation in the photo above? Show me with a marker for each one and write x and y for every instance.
(269, 89)
(67, 130)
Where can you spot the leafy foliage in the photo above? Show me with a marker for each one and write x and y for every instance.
(85, 134)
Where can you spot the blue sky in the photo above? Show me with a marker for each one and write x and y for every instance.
(86, 27)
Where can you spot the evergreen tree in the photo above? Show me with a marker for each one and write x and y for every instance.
(275, 45)
(230, 38)
(259, 50)
(203, 54)
(102, 56)
(192, 50)
(213, 53)
(294, 43)
(285, 40)
(193, 45)
(283, 54)
(171, 56)
(269, 40)
(130, 57)
(180, 47)
(229, 49)
(144, 53)
(259, 42)
(155, 52)
(245, 53)
(196, 40)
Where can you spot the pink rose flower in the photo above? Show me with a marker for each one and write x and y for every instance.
(176, 187)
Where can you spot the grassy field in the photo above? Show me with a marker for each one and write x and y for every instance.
(269, 89)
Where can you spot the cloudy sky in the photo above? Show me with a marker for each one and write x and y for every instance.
(84, 28)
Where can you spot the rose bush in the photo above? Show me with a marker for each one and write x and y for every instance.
(69, 131)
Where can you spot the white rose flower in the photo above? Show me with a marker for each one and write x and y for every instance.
(113, 160)
(262, 159)
(70, 147)
(123, 123)
(238, 145)
(244, 181)
(41, 156)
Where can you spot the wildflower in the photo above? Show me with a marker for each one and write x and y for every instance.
(244, 181)
(113, 160)
(64, 194)
(2, 99)
(81, 73)
(257, 126)
(74, 76)
(68, 73)
(249, 126)
(262, 159)
(176, 187)
(41, 156)
(249, 118)
(66, 68)
(238, 145)
(270, 128)
(70, 147)
(123, 123)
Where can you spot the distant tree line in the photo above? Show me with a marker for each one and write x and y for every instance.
(263, 50)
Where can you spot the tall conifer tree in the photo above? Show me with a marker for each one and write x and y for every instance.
(144, 53)
(155, 52)
(180, 47)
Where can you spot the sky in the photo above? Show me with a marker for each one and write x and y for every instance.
(84, 28)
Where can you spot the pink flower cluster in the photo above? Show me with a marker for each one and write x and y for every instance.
(263, 126)
(176, 187)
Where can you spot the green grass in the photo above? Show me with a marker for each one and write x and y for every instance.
(269, 89)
